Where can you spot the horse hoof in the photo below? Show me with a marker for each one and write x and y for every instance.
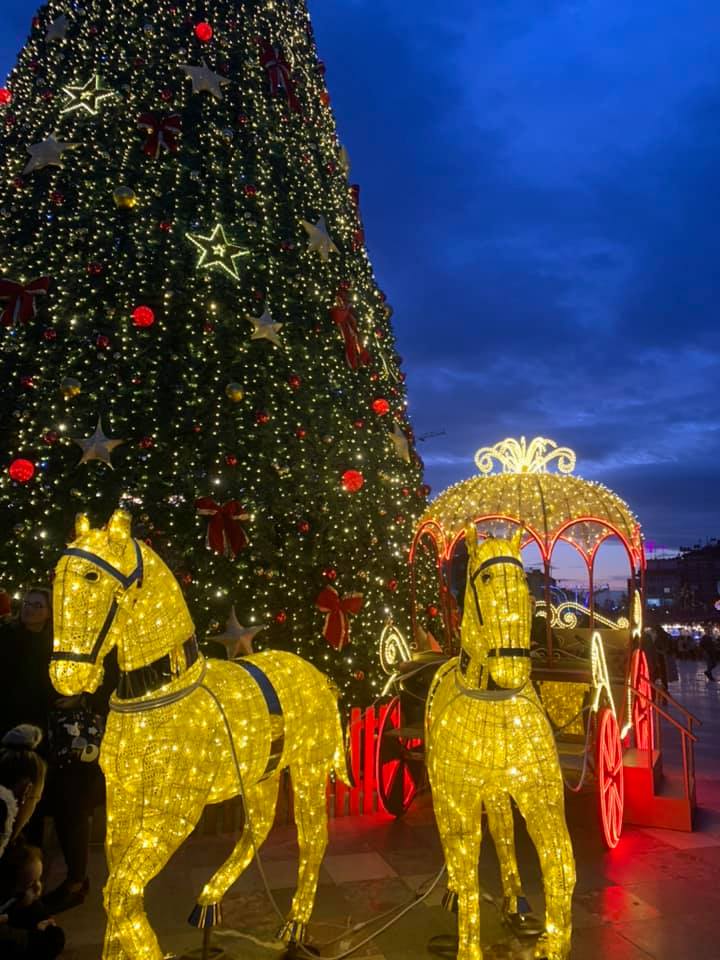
(292, 932)
(206, 916)
(450, 901)
(522, 922)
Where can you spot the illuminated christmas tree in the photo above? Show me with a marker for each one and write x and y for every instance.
(191, 327)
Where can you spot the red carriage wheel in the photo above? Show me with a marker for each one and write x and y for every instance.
(609, 770)
(641, 709)
(399, 762)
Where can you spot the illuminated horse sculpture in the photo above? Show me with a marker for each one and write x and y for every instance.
(184, 731)
(487, 739)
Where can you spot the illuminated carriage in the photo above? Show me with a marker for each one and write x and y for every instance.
(586, 665)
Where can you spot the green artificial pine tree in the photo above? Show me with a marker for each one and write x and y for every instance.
(191, 327)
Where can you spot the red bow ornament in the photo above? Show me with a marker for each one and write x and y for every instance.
(337, 610)
(342, 315)
(162, 131)
(21, 304)
(278, 70)
(224, 533)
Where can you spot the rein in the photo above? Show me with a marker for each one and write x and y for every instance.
(125, 581)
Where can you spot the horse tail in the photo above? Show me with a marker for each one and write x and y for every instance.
(340, 754)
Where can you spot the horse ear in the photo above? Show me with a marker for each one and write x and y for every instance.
(82, 525)
(471, 539)
(516, 539)
(120, 526)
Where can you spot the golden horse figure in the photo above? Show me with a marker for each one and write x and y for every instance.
(488, 739)
(184, 731)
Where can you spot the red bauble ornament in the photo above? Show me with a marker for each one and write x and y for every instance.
(102, 342)
(301, 433)
(242, 119)
(204, 32)
(359, 424)
(399, 519)
(262, 417)
(392, 585)
(146, 443)
(330, 573)
(27, 382)
(374, 376)
(5, 96)
(186, 578)
(95, 268)
(231, 460)
(380, 406)
(405, 491)
(166, 95)
(197, 428)
(303, 526)
(432, 610)
(18, 183)
(359, 675)
(325, 98)
(423, 490)
(249, 190)
(208, 328)
(57, 198)
(165, 226)
(51, 437)
(50, 334)
(352, 481)
(143, 317)
(21, 470)
(294, 381)
(280, 617)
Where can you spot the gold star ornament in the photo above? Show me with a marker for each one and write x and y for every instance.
(217, 251)
(87, 98)
(97, 446)
(319, 238)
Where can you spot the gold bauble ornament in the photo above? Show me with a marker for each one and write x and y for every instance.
(234, 392)
(69, 388)
(125, 198)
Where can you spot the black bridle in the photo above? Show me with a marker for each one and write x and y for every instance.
(505, 560)
(125, 581)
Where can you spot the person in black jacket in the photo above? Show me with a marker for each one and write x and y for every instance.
(27, 695)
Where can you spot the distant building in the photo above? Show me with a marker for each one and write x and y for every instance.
(687, 585)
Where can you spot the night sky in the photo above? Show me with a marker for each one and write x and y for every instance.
(541, 201)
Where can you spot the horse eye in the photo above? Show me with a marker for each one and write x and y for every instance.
(486, 577)
(92, 575)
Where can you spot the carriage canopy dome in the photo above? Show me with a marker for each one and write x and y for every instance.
(551, 506)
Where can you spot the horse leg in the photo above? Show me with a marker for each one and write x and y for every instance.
(259, 802)
(460, 828)
(502, 830)
(134, 859)
(309, 791)
(548, 831)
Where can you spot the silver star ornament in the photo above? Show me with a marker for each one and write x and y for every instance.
(47, 153)
(265, 328)
(97, 446)
(57, 29)
(400, 442)
(319, 238)
(203, 78)
(237, 639)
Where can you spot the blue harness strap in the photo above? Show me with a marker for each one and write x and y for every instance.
(277, 743)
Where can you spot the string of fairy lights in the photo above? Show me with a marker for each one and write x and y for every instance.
(194, 215)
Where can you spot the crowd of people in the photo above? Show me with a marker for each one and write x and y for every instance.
(665, 648)
(48, 771)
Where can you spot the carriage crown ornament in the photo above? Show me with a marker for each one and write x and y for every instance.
(519, 456)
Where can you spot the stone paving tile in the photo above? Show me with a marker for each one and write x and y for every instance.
(349, 867)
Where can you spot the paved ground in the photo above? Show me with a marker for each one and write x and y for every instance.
(656, 896)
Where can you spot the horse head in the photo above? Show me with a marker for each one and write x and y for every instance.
(498, 610)
(101, 593)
